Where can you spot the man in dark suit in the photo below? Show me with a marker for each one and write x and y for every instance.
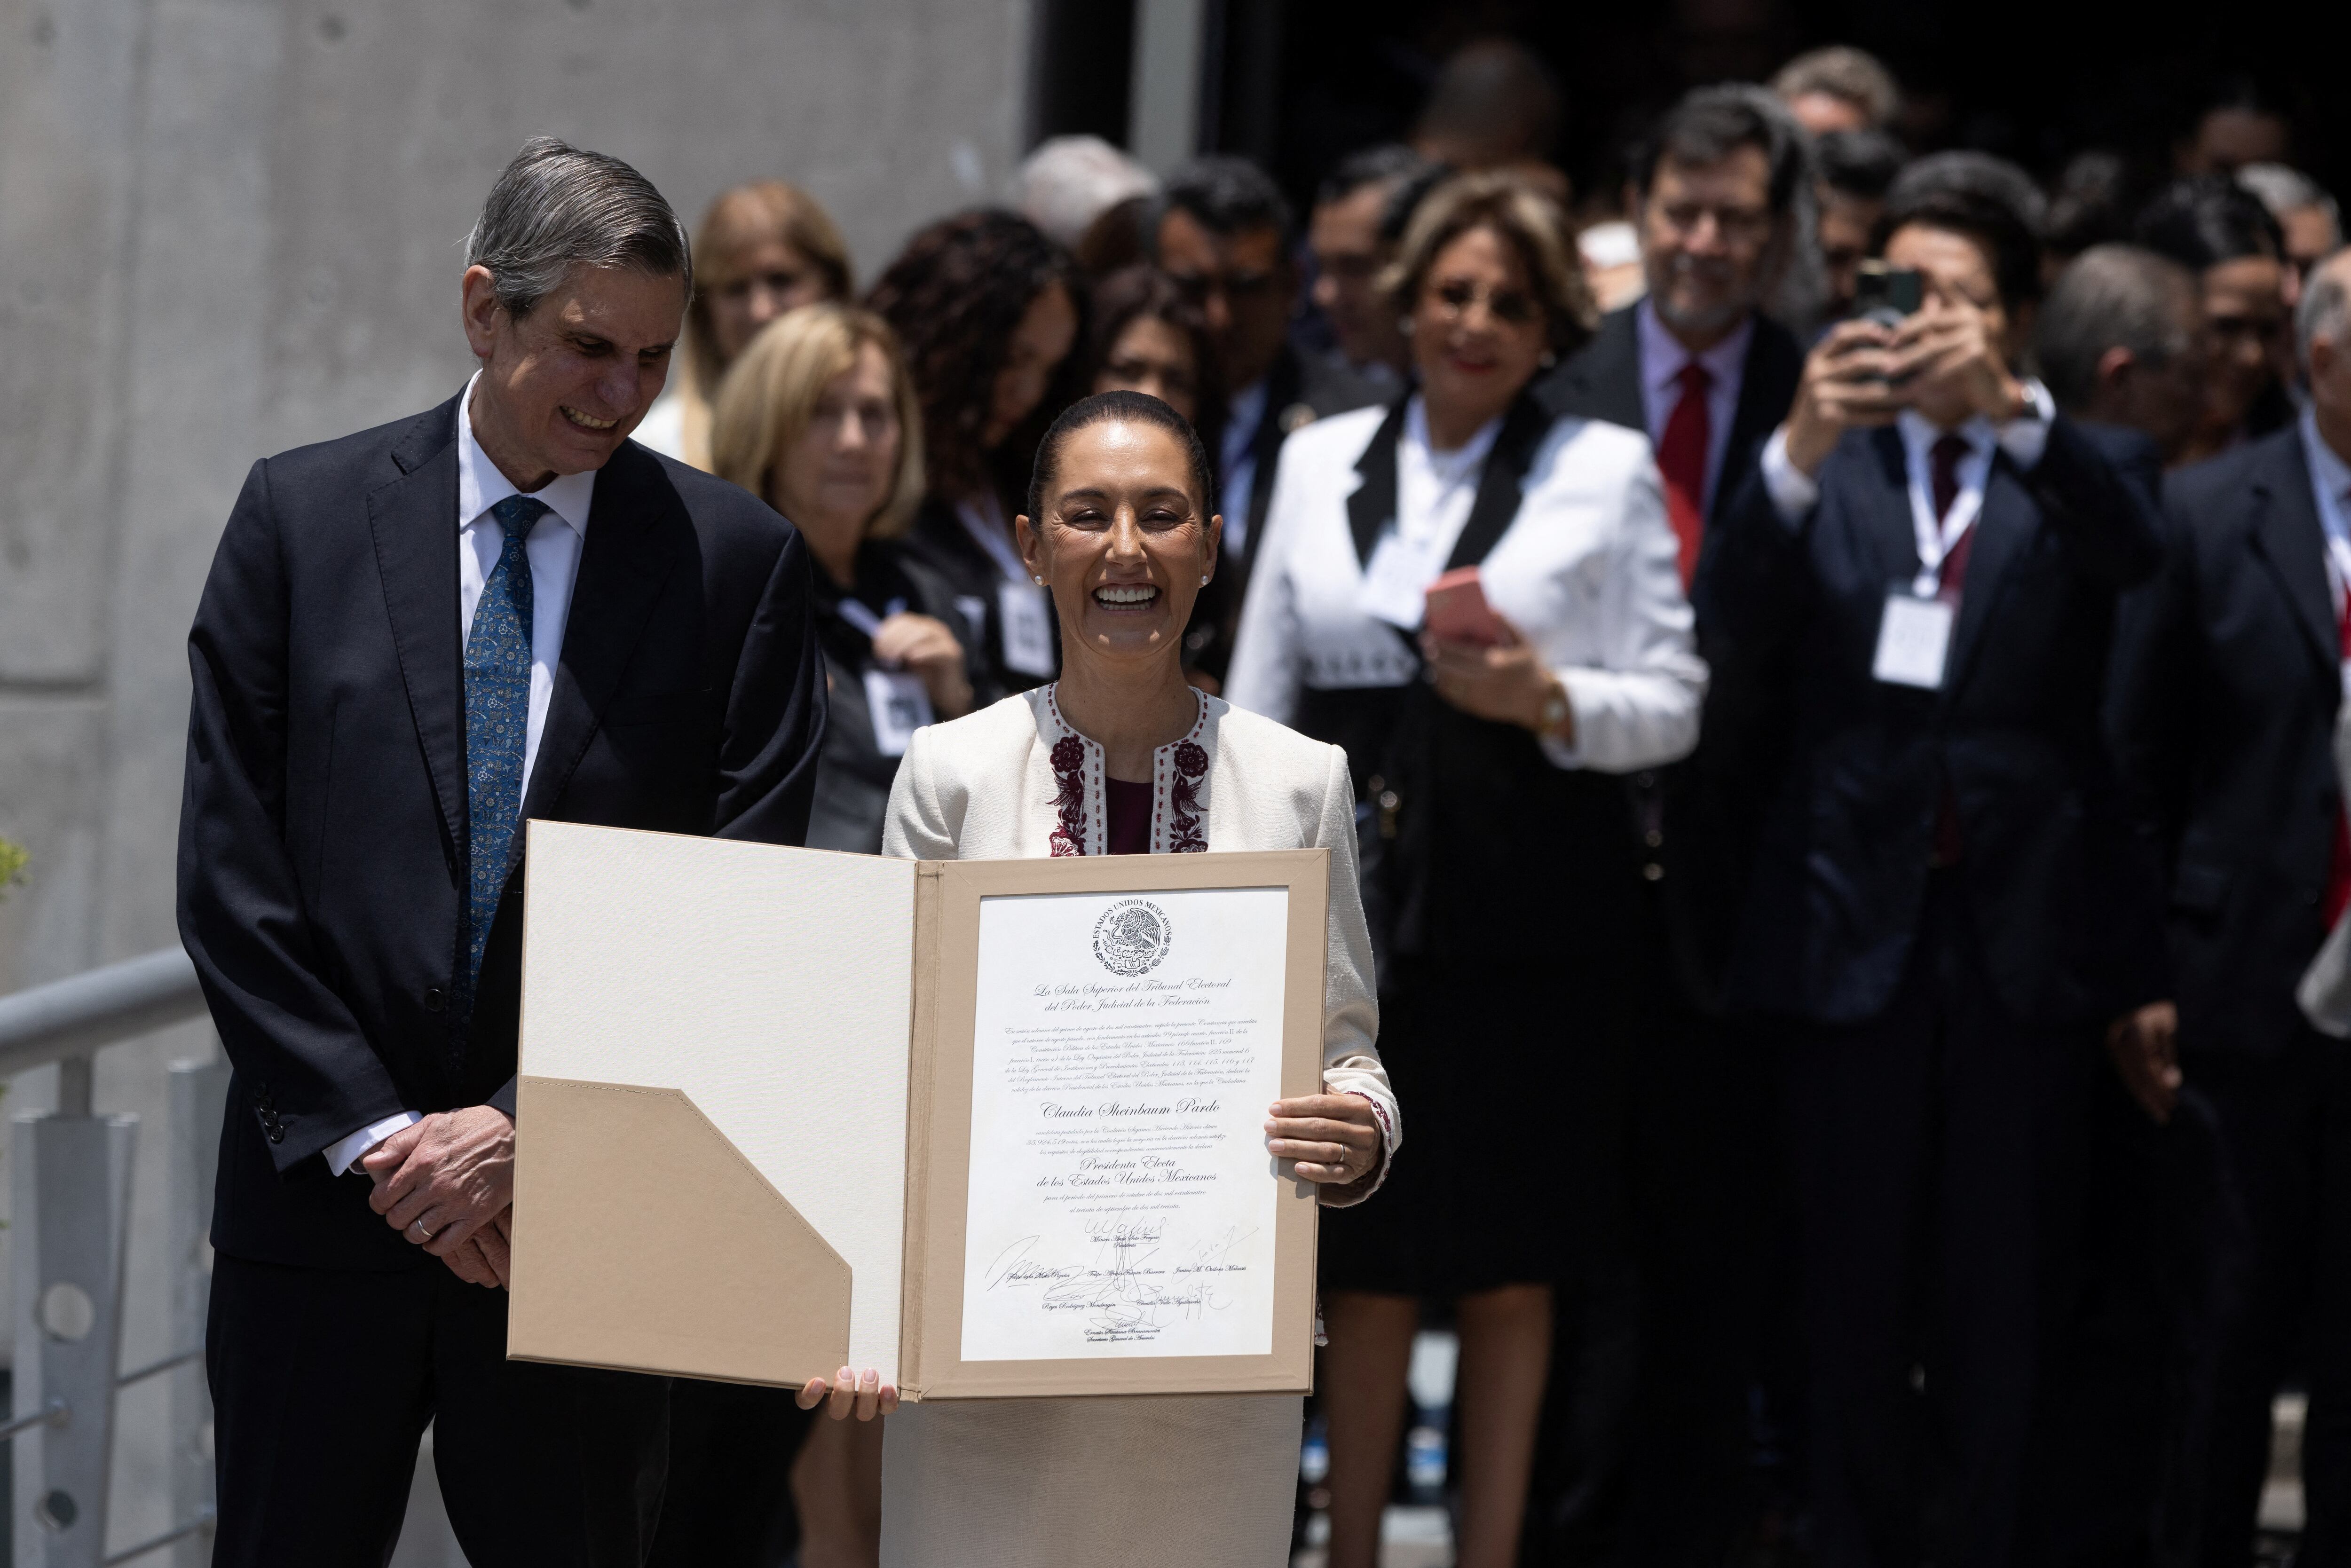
(1698, 366)
(1222, 230)
(2229, 675)
(1937, 897)
(413, 640)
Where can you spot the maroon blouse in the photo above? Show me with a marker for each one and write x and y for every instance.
(1129, 807)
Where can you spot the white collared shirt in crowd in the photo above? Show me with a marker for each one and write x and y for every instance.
(1587, 570)
(553, 550)
(1796, 493)
(1662, 361)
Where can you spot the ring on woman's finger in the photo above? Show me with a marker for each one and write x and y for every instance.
(418, 1227)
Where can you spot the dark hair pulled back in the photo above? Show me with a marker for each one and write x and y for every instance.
(1101, 408)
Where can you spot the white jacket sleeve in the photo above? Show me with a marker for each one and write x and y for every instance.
(1351, 1009)
(917, 828)
(1263, 676)
(1638, 707)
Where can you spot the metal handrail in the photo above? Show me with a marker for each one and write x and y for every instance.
(73, 1016)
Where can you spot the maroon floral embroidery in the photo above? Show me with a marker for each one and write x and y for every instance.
(1069, 757)
(1183, 835)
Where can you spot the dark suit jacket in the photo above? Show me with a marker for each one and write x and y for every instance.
(2228, 677)
(943, 546)
(1297, 391)
(1697, 820)
(2014, 733)
(323, 834)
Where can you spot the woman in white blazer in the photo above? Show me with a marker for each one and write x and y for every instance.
(1505, 857)
(1120, 756)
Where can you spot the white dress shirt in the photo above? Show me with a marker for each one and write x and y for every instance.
(553, 550)
(1587, 571)
(1663, 359)
(1796, 493)
(1244, 412)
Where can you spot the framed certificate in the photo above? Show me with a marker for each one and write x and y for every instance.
(993, 1126)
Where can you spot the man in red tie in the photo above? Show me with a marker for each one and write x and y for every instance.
(1927, 567)
(1698, 367)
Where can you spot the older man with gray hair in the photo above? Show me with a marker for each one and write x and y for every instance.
(2229, 681)
(2119, 339)
(413, 640)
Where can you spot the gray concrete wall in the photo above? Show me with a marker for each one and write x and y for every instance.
(231, 226)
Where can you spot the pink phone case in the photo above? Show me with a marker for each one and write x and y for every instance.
(1458, 610)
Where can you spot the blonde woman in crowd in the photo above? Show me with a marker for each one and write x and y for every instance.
(763, 248)
(1484, 726)
(818, 417)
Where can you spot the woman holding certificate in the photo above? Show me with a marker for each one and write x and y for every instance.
(1121, 756)
(1480, 603)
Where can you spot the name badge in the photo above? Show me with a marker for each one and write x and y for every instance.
(1396, 579)
(1026, 612)
(899, 706)
(1914, 639)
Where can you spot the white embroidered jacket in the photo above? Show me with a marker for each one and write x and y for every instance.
(1014, 782)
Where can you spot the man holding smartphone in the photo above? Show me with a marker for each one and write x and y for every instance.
(1925, 569)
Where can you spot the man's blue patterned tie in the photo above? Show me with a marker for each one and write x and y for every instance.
(498, 716)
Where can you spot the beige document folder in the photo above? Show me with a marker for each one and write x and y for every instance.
(745, 1123)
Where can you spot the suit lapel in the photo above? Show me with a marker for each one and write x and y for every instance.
(1767, 385)
(414, 520)
(2003, 527)
(1893, 543)
(1603, 380)
(1501, 484)
(1373, 501)
(624, 562)
(2287, 534)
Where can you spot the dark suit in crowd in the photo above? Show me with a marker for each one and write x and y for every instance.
(2228, 678)
(1655, 1351)
(1936, 910)
(324, 876)
(1297, 391)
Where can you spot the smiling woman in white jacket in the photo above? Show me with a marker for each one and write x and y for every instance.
(1120, 756)
(1508, 864)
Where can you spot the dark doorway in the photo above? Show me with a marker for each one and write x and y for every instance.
(2035, 81)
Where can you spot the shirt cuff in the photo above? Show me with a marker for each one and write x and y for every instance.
(2026, 437)
(1793, 492)
(1565, 753)
(1378, 1175)
(343, 1153)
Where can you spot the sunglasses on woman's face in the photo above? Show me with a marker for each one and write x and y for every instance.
(1511, 306)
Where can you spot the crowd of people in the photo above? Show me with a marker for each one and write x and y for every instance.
(1839, 669)
(1810, 957)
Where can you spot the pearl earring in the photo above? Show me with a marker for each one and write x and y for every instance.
(1038, 580)
(1204, 580)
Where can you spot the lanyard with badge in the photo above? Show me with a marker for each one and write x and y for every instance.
(1023, 610)
(896, 699)
(1914, 637)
